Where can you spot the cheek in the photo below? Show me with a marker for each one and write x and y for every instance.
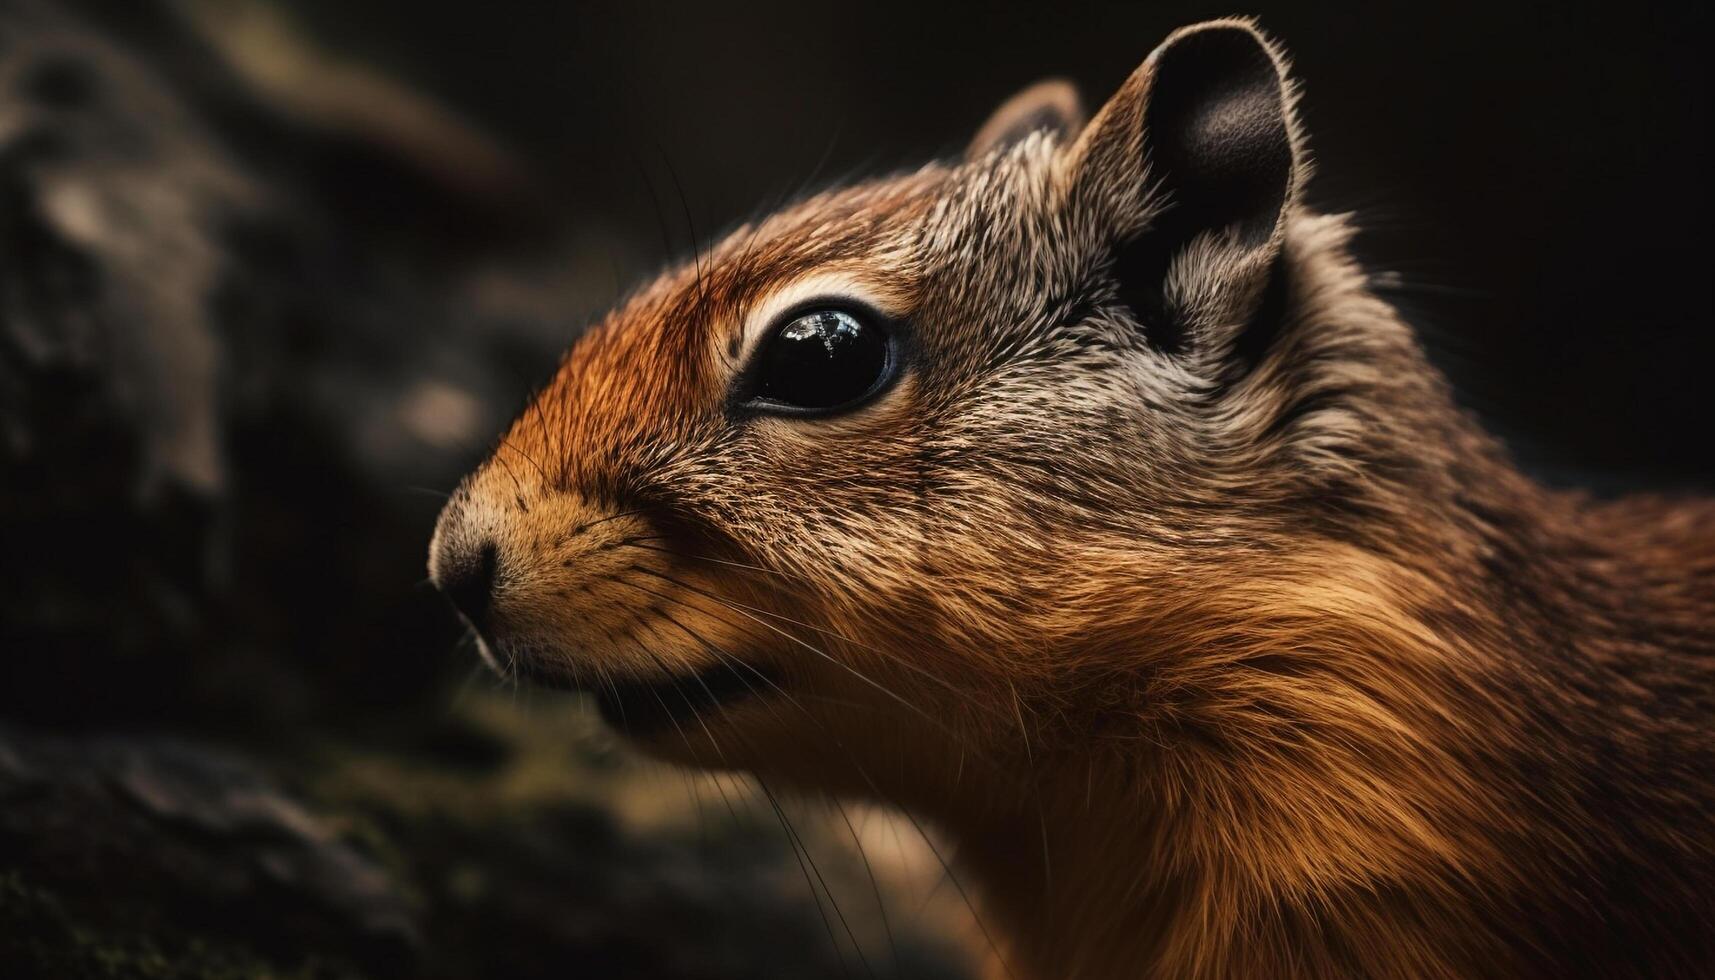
(822, 491)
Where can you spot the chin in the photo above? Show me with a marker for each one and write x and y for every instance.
(702, 716)
(689, 709)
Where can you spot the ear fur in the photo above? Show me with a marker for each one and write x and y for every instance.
(1051, 104)
(1195, 164)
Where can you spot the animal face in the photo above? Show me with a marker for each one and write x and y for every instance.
(867, 470)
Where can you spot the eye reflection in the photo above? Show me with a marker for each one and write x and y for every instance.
(822, 360)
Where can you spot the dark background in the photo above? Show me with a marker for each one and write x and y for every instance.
(1538, 173)
(238, 733)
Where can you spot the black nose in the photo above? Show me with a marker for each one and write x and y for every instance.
(468, 583)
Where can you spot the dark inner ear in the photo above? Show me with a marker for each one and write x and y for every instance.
(1052, 105)
(1215, 132)
(1140, 268)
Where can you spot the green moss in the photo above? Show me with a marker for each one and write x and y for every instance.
(526, 846)
(41, 936)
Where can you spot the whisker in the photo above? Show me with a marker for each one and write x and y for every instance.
(516, 486)
(691, 228)
(936, 723)
(874, 885)
(740, 608)
(641, 537)
(507, 444)
(732, 661)
(874, 788)
(614, 517)
(792, 834)
(815, 650)
(696, 800)
(856, 644)
(542, 426)
(729, 659)
(1036, 792)
(478, 669)
(606, 679)
(947, 869)
(719, 752)
(717, 561)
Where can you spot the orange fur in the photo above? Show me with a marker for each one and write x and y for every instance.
(1210, 671)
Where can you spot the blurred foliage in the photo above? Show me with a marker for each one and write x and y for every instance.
(247, 341)
(262, 302)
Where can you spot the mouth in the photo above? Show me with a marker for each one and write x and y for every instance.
(642, 709)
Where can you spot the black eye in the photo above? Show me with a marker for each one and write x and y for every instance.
(821, 361)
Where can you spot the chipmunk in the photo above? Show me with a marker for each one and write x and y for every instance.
(1081, 497)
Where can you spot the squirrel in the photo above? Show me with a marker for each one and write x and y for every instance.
(1082, 497)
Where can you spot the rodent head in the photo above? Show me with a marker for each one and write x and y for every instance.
(1062, 421)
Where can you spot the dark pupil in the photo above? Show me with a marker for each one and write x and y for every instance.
(821, 360)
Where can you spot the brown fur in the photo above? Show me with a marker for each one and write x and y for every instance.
(1212, 667)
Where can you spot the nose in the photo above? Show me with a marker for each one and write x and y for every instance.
(468, 582)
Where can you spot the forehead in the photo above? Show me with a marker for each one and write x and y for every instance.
(875, 225)
(659, 363)
(959, 248)
(942, 218)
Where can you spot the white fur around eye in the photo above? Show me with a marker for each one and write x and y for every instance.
(836, 287)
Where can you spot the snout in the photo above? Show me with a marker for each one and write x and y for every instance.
(566, 592)
(464, 564)
(467, 580)
(464, 561)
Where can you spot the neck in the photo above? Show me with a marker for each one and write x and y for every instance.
(1351, 766)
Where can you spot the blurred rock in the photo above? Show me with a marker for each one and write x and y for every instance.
(170, 838)
(247, 343)
(529, 842)
(229, 371)
(110, 438)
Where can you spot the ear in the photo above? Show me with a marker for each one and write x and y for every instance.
(1051, 104)
(1193, 166)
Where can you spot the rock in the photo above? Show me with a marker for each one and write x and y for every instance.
(167, 837)
(241, 355)
(223, 386)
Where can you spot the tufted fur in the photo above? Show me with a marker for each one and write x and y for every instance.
(1247, 654)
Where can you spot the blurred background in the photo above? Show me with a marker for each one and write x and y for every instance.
(273, 275)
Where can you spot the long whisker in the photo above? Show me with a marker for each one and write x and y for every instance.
(509, 473)
(874, 885)
(717, 561)
(507, 444)
(696, 799)
(747, 611)
(1036, 791)
(732, 661)
(957, 885)
(856, 644)
(477, 670)
(548, 435)
(612, 517)
(725, 657)
(934, 722)
(865, 678)
(641, 537)
(804, 848)
(691, 229)
(870, 782)
(719, 752)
